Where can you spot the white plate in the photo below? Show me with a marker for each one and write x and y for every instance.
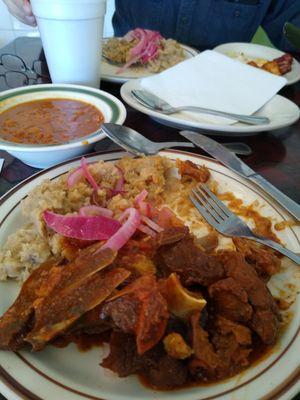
(109, 71)
(67, 374)
(259, 51)
(281, 112)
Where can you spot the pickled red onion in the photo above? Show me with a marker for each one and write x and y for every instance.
(120, 184)
(129, 227)
(87, 174)
(145, 229)
(95, 210)
(145, 50)
(74, 177)
(95, 227)
(151, 224)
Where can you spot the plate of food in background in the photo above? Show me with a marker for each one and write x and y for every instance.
(116, 255)
(140, 53)
(264, 57)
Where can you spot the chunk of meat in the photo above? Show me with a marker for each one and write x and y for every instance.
(259, 296)
(13, 322)
(140, 308)
(191, 264)
(167, 373)
(203, 349)
(265, 261)
(123, 358)
(257, 291)
(123, 311)
(241, 333)
(231, 300)
(265, 324)
(62, 309)
(198, 172)
(160, 370)
(221, 354)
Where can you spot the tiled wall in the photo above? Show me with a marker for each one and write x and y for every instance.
(10, 27)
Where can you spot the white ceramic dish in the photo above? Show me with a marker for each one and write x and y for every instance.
(43, 156)
(109, 71)
(67, 374)
(258, 51)
(281, 112)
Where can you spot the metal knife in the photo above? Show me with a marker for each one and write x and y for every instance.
(220, 153)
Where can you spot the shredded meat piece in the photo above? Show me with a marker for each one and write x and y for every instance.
(191, 264)
(198, 172)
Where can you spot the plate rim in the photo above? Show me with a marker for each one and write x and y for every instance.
(289, 383)
(211, 128)
(280, 52)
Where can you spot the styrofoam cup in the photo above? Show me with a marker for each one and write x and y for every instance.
(71, 32)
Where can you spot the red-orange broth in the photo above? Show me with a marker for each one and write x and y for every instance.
(49, 121)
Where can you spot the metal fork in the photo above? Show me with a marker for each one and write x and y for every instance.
(150, 100)
(224, 221)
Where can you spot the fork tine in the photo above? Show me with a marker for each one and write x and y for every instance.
(201, 188)
(203, 212)
(206, 204)
(219, 203)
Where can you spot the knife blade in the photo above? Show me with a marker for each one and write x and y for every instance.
(220, 153)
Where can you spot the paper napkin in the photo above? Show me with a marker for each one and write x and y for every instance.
(213, 80)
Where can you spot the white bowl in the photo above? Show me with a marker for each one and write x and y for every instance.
(43, 156)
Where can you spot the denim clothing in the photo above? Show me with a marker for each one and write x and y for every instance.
(208, 23)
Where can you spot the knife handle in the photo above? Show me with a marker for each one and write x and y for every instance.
(290, 205)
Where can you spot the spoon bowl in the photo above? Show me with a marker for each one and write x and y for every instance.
(136, 143)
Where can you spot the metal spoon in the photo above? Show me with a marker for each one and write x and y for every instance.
(136, 143)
